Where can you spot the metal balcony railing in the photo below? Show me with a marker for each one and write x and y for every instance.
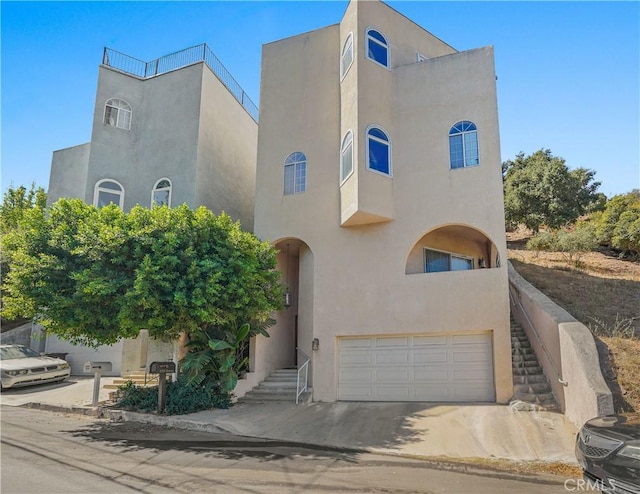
(178, 60)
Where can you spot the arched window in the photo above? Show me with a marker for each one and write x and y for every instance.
(347, 56)
(377, 47)
(108, 191)
(295, 174)
(463, 145)
(117, 113)
(161, 193)
(378, 151)
(346, 156)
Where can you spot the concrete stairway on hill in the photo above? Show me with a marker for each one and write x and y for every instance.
(279, 386)
(530, 385)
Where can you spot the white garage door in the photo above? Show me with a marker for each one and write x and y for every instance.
(444, 368)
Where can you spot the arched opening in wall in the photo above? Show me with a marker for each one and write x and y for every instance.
(290, 341)
(452, 248)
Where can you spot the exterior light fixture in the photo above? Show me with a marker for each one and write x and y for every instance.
(482, 263)
(315, 344)
(287, 298)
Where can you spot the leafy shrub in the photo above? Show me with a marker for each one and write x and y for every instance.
(571, 242)
(618, 226)
(182, 397)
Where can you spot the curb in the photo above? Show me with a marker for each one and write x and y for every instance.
(76, 410)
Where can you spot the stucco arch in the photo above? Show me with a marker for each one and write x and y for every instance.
(293, 326)
(455, 238)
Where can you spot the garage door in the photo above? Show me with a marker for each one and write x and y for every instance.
(444, 368)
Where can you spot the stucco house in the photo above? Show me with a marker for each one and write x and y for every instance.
(175, 130)
(379, 181)
(375, 171)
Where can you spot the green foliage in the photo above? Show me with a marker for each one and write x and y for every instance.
(571, 242)
(217, 356)
(618, 225)
(182, 397)
(16, 202)
(540, 189)
(94, 276)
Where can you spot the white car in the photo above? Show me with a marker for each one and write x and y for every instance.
(21, 366)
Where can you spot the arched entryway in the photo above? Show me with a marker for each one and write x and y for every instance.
(292, 334)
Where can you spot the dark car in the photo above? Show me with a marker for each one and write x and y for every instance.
(608, 450)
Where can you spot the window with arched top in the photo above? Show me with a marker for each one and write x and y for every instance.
(108, 191)
(463, 145)
(346, 156)
(295, 173)
(347, 56)
(377, 47)
(161, 193)
(117, 113)
(378, 151)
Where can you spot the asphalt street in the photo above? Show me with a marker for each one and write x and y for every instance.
(56, 453)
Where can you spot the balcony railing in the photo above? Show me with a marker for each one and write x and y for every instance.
(178, 60)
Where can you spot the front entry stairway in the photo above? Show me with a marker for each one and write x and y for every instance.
(280, 386)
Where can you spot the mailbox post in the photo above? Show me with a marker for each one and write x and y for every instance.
(162, 368)
(96, 368)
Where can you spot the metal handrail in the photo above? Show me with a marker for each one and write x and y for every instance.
(304, 366)
(178, 60)
(515, 301)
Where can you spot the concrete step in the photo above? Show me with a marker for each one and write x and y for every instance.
(281, 385)
(521, 350)
(285, 379)
(527, 370)
(536, 388)
(527, 357)
(529, 379)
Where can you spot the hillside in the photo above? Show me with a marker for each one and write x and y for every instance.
(602, 292)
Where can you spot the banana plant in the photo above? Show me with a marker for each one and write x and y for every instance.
(216, 355)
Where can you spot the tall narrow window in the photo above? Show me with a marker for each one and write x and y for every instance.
(463, 145)
(161, 193)
(117, 113)
(378, 151)
(295, 174)
(346, 157)
(377, 47)
(107, 192)
(347, 56)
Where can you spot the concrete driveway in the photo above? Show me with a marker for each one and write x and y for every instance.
(415, 429)
(77, 391)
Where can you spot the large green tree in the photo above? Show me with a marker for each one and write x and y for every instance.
(94, 276)
(539, 189)
(619, 224)
(16, 202)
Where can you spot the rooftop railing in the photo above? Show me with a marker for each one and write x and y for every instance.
(178, 60)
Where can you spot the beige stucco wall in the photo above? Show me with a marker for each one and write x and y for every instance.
(226, 159)
(357, 280)
(68, 175)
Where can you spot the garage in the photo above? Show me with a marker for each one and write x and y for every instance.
(443, 368)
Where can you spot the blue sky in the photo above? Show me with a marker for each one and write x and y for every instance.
(568, 72)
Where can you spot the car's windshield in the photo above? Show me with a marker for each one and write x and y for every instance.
(11, 352)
